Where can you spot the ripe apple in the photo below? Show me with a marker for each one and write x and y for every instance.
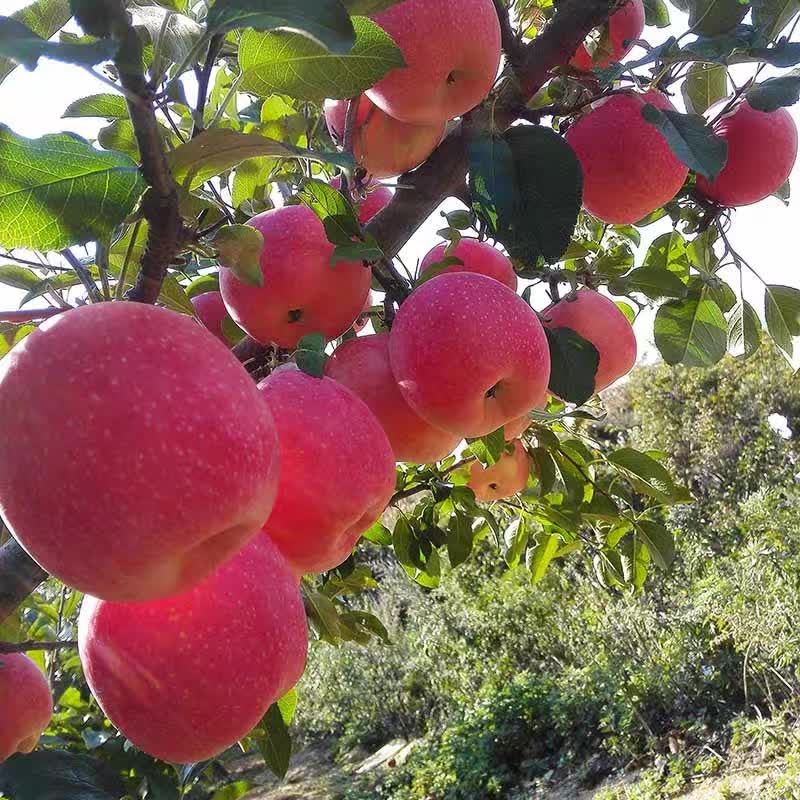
(136, 455)
(598, 320)
(26, 702)
(382, 145)
(514, 429)
(377, 198)
(468, 354)
(186, 677)
(478, 257)
(452, 53)
(337, 469)
(762, 150)
(362, 365)
(629, 170)
(363, 319)
(302, 292)
(509, 476)
(624, 25)
(211, 311)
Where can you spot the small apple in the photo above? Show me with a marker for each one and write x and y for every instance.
(337, 469)
(506, 478)
(382, 145)
(452, 53)
(136, 455)
(624, 25)
(468, 354)
(629, 170)
(186, 677)
(598, 320)
(377, 198)
(301, 292)
(362, 365)
(478, 257)
(762, 150)
(26, 702)
(211, 311)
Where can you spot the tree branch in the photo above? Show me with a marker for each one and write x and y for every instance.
(27, 647)
(19, 576)
(30, 315)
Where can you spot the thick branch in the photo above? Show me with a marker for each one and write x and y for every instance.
(27, 647)
(30, 315)
(19, 576)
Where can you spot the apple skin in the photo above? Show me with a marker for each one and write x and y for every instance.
(627, 23)
(506, 478)
(211, 311)
(382, 145)
(598, 320)
(378, 197)
(452, 54)
(186, 677)
(514, 429)
(762, 150)
(478, 257)
(298, 280)
(629, 169)
(459, 337)
(119, 472)
(337, 469)
(362, 365)
(27, 704)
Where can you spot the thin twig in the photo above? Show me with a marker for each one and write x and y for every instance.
(31, 314)
(27, 647)
(86, 279)
(204, 77)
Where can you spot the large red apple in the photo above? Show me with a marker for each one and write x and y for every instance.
(506, 478)
(136, 455)
(629, 170)
(598, 320)
(211, 311)
(377, 198)
(468, 354)
(26, 702)
(362, 365)
(452, 53)
(383, 145)
(762, 150)
(301, 293)
(186, 677)
(337, 469)
(624, 25)
(478, 257)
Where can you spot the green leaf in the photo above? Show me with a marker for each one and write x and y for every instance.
(323, 615)
(19, 277)
(655, 283)
(44, 18)
(287, 63)
(287, 705)
(691, 138)
(539, 557)
(705, 84)
(110, 106)
(233, 791)
(404, 543)
(310, 359)
(57, 775)
(775, 93)
(203, 285)
(544, 469)
(692, 331)
(656, 13)
(782, 312)
(669, 252)
(459, 538)
(176, 34)
(273, 741)
(516, 537)
(492, 179)
(378, 534)
(659, 542)
(772, 16)
(336, 214)
(647, 475)
(239, 248)
(574, 362)
(59, 191)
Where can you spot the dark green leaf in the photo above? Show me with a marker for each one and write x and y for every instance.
(744, 330)
(705, 84)
(19, 277)
(459, 538)
(692, 331)
(273, 741)
(647, 475)
(574, 362)
(656, 13)
(544, 469)
(659, 542)
(772, 16)
(655, 283)
(782, 312)
(335, 212)
(323, 615)
(775, 93)
(492, 179)
(110, 106)
(310, 355)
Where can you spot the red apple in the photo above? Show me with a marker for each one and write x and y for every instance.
(363, 319)
(478, 257)
(377, 198)
(625, 24)
(26, 702)
(337, 469)
(136, 455)
(301, 293)
(452, 53)
(382, 145)
(506, 478)
(629, 170)
(468, 354)
(211, 311)
(362, 365)
(187, 677)
(598, 320)
(514, 429)
(762, 150)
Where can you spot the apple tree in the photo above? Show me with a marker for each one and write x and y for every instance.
(226, 382)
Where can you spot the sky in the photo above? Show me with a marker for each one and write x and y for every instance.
(31, 104)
